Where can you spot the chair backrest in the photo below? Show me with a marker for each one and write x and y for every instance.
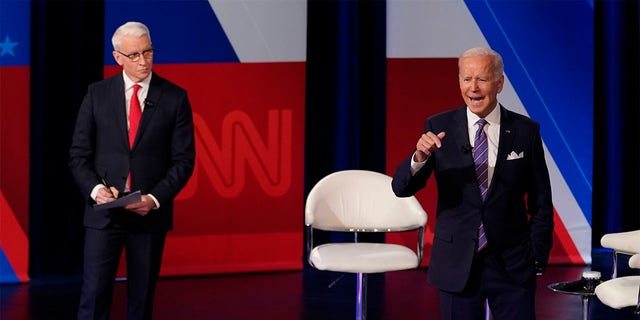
(627, 242)
(361, 200)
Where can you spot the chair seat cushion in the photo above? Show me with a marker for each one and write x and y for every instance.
(619, 292)
(363, 257)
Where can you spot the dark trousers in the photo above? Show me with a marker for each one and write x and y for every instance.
(488, 280)
(102, 251)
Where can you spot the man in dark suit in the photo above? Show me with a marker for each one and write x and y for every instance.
(494, 224)
(109, 157)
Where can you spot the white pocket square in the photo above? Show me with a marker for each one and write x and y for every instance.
(513, 155)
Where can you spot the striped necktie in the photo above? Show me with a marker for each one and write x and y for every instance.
(481, 161)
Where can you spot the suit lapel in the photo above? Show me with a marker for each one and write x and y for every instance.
(461, 135)
(150, 105)
(507, 134)
(120, 109)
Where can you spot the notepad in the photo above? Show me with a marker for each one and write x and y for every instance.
(132, 197)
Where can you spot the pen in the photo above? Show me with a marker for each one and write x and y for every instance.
(104, 182)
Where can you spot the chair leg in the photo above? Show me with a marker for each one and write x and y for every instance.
(614, 273)
(487, 311)
(637, 308)
(585, 307)
(361, 296)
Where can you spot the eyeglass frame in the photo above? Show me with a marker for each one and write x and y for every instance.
(135, 56)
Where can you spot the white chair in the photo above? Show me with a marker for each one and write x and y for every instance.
(357, 201)
(622, 292)
(627, 243)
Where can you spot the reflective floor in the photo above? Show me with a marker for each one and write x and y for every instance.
(308, 294)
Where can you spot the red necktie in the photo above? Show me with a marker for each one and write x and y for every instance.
(135, 113)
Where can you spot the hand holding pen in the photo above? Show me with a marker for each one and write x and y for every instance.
(106, 194)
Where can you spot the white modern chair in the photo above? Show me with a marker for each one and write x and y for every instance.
(622, 292)
(357, 201)
(627, 243)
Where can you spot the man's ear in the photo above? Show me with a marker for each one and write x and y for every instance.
(500, 83)
(117, 57)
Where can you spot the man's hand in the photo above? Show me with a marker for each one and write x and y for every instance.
(143, 207)
(428, 143)
(105, 195)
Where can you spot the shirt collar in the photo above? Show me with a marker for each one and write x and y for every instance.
(493, 118)
(128, 83)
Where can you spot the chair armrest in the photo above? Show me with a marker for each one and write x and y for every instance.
(420, 249)
(308, 241)
(634, 262)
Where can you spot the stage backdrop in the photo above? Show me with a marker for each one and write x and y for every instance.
(547, 47)
(243, 65)
(14, 139)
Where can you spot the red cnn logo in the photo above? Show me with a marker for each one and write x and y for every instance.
(241, 146)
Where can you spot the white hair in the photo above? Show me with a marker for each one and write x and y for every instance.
(131, 29)
(497, 63)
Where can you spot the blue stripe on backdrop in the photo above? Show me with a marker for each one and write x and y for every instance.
(15, 44)
(170, 22)
(7, 274)
(547, 47)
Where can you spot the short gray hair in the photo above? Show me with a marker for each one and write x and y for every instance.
(132, 29)
(497, 65)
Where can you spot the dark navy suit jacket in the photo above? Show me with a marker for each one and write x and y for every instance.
(161, 159)
(518, 211)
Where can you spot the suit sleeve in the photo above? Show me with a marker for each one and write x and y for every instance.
(82, 150)
(182, 154)
(540, 206)
(404, 184)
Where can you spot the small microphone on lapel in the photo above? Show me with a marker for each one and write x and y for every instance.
(507, 131)
(467, 149)
(148, 103)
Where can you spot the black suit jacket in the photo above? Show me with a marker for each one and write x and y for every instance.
(518, 211)
(161, 160)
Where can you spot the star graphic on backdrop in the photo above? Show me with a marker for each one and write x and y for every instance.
(7, 47)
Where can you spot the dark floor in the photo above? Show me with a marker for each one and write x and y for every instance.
(307, 295)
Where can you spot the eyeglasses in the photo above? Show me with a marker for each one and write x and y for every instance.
(147, 54)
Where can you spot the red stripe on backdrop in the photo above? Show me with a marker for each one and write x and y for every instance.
(564, 251)
(14, 166)
(14, 140)
(242, 210)
(13, 241)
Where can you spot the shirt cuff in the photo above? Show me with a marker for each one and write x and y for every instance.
(94, 192)
(154, 200)
(416, 166)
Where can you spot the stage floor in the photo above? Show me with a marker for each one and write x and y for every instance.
(306, 295)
